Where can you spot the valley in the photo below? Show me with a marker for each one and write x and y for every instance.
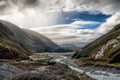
(25, 54)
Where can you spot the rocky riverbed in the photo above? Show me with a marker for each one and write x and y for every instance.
(94, 71)
(55, 67)
(42, 69)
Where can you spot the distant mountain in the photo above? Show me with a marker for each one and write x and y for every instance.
(105, 48)
(13, 38)
(71, 47)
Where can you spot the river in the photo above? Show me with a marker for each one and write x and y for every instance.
(96, 73)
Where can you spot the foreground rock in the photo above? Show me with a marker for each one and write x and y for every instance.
(65, 73)
(7, 72)
(33, 70)
(40, 75)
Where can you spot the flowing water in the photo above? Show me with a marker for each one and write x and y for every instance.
(94, 72)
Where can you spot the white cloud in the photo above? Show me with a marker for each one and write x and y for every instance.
(30, 18)
(81, 22)
(69, 33)
(109, 24)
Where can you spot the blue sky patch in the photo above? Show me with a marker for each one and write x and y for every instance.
(69, 17)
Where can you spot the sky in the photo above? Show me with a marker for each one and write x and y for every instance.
(63, 21)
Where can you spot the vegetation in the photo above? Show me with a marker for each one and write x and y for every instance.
(10, 47)
(40, 56)
(111, 54)
(31, 40)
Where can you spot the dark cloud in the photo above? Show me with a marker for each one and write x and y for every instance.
(104, 6)
(25, 3)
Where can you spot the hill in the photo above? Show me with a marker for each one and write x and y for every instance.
(105, 48)
(16, 42)
(10, 47)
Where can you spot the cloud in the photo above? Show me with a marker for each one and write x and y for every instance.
(81, 22)
(94, 6)
(109, 24)
(31, 18)
(40, 15)
(69, 33)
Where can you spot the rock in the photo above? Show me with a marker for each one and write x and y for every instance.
(36, 75)
(7, 72)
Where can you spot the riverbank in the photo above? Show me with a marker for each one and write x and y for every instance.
(96, 72)
(65, 68)
(48, 66)
(101, 65)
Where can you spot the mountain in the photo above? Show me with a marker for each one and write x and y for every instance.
(10, 47)
(41, 43)
(105, 48)
(71, 47)
(14, 40)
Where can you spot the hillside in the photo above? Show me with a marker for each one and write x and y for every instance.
(18, 43)
(33, 41)
(41, 42)
(105, 48)
(10, 47)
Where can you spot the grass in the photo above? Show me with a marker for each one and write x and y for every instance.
(27, 65)
(88, 61)
(40, 56)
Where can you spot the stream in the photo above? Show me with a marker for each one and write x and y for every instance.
(94, 72)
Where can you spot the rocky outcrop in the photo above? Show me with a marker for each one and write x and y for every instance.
(106, 50)
(8, 72)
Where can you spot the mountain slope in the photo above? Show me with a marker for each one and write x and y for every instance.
(42, 42)
(31, 40)
(10, 47)
(19, 43)
(106, 48)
